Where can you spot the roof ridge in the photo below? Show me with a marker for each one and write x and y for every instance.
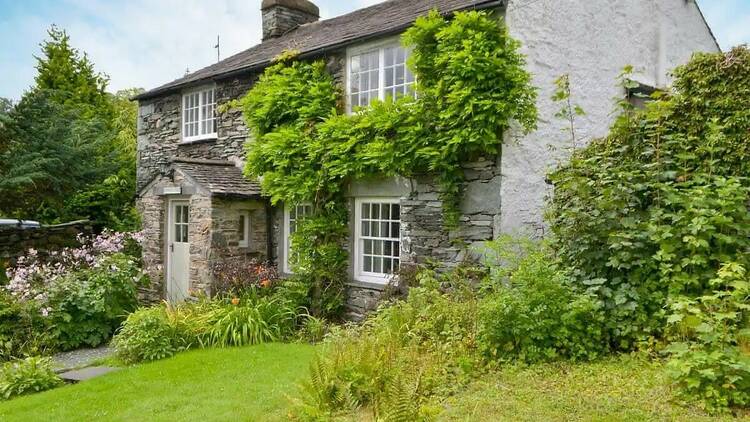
(381, 19)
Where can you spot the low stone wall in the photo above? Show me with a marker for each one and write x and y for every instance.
(15, 241)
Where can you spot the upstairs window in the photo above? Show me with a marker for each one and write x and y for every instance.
(378, 72)
(199, 115)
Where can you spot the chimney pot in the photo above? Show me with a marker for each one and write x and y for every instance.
(282, 16)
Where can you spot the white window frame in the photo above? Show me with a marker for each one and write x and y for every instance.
(199, 90)
(244, 243)
(380, 46)
(287, 227)
(359, 274)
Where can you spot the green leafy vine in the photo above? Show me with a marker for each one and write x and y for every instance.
(471, 85)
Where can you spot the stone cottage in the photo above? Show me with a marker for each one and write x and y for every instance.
(198, 207)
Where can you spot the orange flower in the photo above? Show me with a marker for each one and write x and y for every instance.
(265, 282)
(235, 301)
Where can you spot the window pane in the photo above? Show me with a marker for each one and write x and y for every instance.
(365, 210)
(375, 211)
(374, 226)
(388, 77)
(241, 228)
(395, 230)
(354, 83)
(367, 264)
(355, 64)
(368, 246)
(385, 210)
(387, 266)
(365, 228)
(400, 55)
(395, 212)
(377, 264)
(389, 56)
(399, 75)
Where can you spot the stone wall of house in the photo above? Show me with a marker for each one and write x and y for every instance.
(225, 233)
(424, 237)
(153, 207)
(160, 134)
(16, 241)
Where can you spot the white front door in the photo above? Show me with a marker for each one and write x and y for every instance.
(178, 251)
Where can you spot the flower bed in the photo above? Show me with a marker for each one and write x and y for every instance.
(71, 298)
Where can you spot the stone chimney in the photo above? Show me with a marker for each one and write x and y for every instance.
(281, 16)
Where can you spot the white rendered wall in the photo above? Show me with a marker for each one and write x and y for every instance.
(592, 41)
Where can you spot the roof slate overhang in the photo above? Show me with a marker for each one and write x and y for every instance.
(318, 38)
(218, 177)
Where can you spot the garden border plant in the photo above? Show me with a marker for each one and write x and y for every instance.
(654, 221)
(307, 149)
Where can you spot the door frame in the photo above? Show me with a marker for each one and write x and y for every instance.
(171, 200)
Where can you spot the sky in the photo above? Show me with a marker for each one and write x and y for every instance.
(145, 43)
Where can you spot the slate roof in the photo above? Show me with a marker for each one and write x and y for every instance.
(221, 178)
(316, 38)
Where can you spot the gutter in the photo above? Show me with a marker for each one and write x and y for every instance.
(489, 4)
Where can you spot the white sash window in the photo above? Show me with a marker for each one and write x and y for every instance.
(199, 115)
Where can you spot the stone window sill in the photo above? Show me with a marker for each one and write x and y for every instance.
(368, 285)
(200, 141)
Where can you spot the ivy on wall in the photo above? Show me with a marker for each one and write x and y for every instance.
(471, 85)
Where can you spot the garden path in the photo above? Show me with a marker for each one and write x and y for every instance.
(80, 358)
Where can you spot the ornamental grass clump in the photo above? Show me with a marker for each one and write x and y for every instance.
(161, 331)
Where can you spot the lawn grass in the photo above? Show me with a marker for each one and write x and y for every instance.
(615, 389)
(249, 383)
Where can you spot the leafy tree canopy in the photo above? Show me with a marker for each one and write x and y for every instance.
(69, 76)
(68, 147)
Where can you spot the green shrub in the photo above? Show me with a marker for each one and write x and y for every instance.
(251, 321)
(653, 210)
(161, 331)
(30, 375)
(148, 334)
(22, 328)
(707, 362)
(531, 313)
(86, 306)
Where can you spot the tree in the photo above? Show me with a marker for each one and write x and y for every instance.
(52, 152)
(67, 150)
(69, 76)
(111, 202)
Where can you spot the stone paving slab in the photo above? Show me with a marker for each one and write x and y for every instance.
(86, 373)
